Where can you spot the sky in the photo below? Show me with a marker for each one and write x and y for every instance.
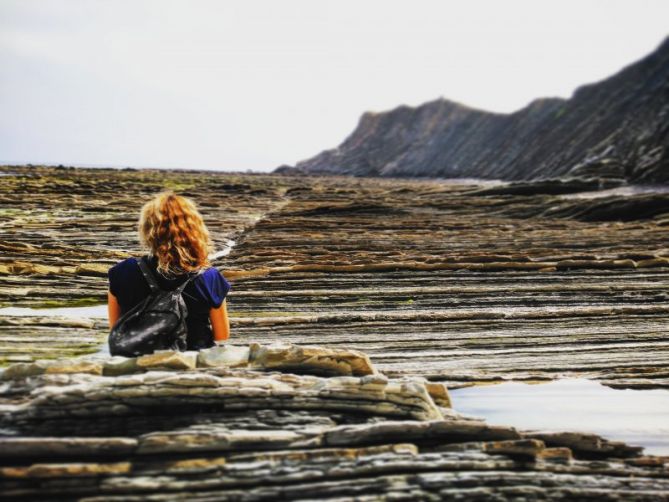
(254, 84)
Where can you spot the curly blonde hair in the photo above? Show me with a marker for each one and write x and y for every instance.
(173, 229)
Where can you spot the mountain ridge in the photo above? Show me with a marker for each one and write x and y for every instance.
(618, 125)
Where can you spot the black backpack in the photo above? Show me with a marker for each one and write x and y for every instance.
(156, 323)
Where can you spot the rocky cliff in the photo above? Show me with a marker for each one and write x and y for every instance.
(618, 127)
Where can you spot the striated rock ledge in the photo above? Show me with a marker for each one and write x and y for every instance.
(224, 424)
(427, 277)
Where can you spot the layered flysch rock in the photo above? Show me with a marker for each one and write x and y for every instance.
(455, 282)
(62, 228)
(617, 128)
(282, 423)
(433, 279)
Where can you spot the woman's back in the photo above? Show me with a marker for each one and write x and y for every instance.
(178, 241)
(205, 292)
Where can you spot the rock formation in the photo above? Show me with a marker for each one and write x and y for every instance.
(431, 279)
(441, 284)
(224, 424)
(617, 128)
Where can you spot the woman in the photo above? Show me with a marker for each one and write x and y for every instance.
(173, 230)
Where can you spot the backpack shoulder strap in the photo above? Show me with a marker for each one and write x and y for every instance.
(150, 278)
(185, 283)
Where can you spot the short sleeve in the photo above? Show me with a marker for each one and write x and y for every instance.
(217, 287)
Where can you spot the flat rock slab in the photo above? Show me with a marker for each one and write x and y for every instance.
(229, 432)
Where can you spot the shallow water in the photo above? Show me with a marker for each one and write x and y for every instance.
(638, 417)
(472, 181)
(624, 190)
(227, 248)
(100, 311)
(92, 311)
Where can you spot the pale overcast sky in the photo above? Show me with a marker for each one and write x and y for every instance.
(252, 84)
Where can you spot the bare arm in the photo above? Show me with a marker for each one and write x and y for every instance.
(113, 309)
(220, 324)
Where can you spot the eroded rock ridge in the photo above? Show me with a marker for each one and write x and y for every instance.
(617, 128)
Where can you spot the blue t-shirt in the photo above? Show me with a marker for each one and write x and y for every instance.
(204, 292)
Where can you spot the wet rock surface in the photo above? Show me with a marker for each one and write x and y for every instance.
(554, 186)
(228, 432)
(23, 339)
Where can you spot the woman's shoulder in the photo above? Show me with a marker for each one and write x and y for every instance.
(214, 283)
(125, 272)
(211, 271)
(123, 276)
(210, 274)
(124, 265)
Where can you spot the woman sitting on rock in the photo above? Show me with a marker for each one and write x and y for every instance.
(173, 230)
